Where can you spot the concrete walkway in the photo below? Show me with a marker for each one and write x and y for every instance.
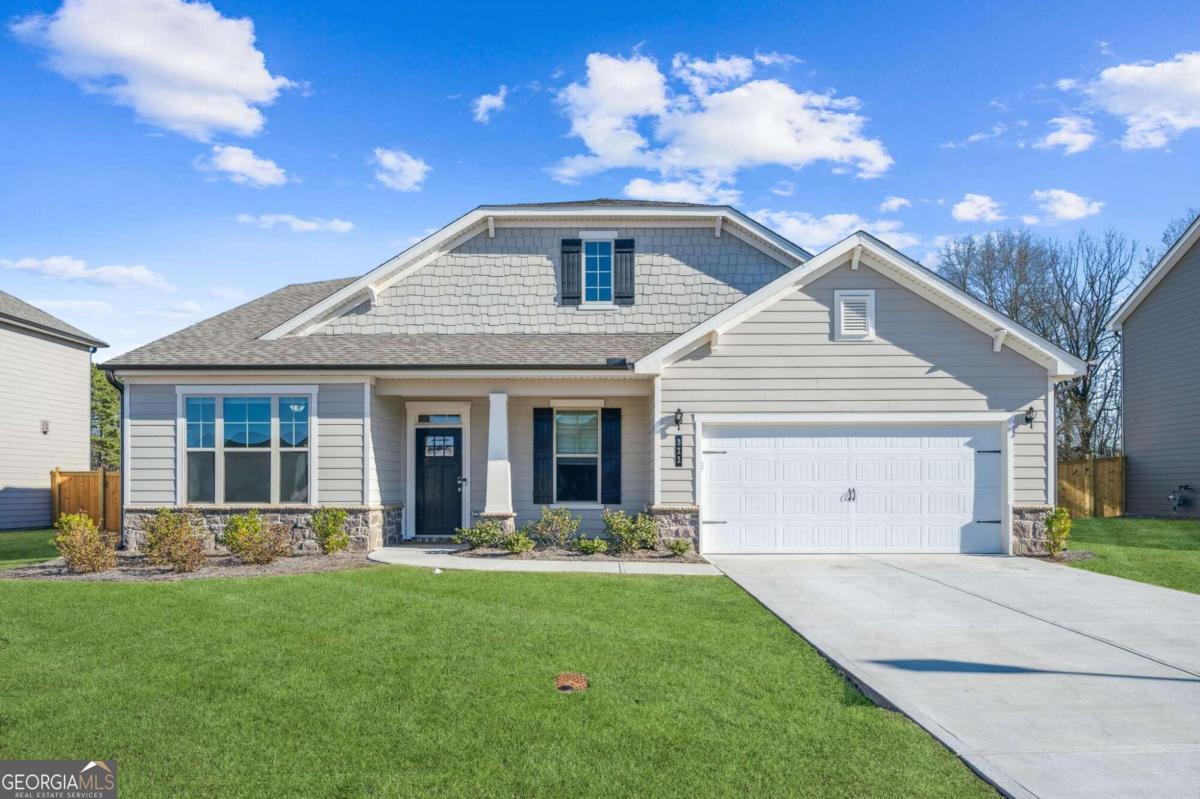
(1048, 680)
(437, 556)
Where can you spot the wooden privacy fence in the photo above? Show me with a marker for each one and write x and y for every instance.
(96, 493)
(1092, 486)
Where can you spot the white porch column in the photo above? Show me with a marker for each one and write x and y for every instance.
(499, 471)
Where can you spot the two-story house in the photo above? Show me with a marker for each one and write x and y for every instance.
(676, 358)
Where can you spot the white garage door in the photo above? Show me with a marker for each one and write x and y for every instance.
(917, 488)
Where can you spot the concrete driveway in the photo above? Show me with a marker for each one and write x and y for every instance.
(1048, 680)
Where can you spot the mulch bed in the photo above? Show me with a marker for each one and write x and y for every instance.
(136, 569)
(553, 553)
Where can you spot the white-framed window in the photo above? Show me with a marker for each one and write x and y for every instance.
(854, 315)
(576, 455)
(598, 272)
(247, 448)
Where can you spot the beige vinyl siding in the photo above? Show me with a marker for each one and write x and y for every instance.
(44, 379)
(784, 360)
(151, 449)
(387, 447)
(636, 478)
(1162, 394)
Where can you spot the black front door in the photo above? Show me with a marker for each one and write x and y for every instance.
(438, 478)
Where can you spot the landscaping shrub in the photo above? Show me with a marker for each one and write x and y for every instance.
(591, 546)
(1058, 530)
(556, 528)
(484, 533)
(516, 543)
(255, 541)
(82, 546)
(679, 546)
(329, 525)
(170, 542)
(639, 532)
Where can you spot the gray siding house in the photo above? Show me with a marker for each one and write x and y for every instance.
(45, 408)
(678, 359)
(1161, 385)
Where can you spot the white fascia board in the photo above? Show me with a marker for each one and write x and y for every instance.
(484, 217)
(871, 251)
(1173, 256)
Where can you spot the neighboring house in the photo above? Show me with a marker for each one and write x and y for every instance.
(676, 358)
(1160, 384)
(45, 408)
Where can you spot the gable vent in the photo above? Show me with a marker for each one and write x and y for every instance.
(854, 315)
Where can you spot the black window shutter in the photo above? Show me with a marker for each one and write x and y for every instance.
(543, 456)
(572, 271)
(610, 457)
(623, 272)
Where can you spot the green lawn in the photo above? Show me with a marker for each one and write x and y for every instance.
(1159, 551)
(398, 682)
(21, 547)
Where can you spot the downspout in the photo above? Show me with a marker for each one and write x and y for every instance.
(120, 387)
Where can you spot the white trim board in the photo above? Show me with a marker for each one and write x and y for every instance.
(411, 411)
(1173, 256)
(432, 247)
(891, 264)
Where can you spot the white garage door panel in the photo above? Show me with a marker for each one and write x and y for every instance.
(921, 488)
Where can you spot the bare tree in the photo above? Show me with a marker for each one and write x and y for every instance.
(1089, 278)
(1171, 234)
(1066, 293)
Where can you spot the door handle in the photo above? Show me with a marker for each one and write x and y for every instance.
(461, 482)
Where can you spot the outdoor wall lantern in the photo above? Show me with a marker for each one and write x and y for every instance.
(679, 417)
(1030, 415)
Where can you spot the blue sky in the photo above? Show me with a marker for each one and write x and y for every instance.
(165, 160)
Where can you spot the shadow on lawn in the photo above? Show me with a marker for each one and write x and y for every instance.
(969, 667)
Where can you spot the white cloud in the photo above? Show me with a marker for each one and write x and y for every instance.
(680, 191)
(487, 104)
(398, 170)
(717, 124)
(1104, 47)
(312, 225)
(1030, 219)
(774, 59)
(1063, 205)
(995, 132)
(66, 268)
(179, 65)
(976, 208)
(1157, 101)
(243, 167)
(784, 188)
(892, 204)
(1074, 134)
(703, 76)
(818, 232)
(1066, 84)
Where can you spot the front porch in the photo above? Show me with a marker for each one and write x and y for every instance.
(456, 450)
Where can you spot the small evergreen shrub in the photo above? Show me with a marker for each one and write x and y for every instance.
(590, 546)
(518, 543)
(171, 542)
(679, 546)
(487, 533)
(329, 525)
(253, 540)
(638, 532)
(84, 548)
(556, 528)
(1058, 530)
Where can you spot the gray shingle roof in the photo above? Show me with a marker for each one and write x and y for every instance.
(20, 311)
(230, 340)
(604, 201)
